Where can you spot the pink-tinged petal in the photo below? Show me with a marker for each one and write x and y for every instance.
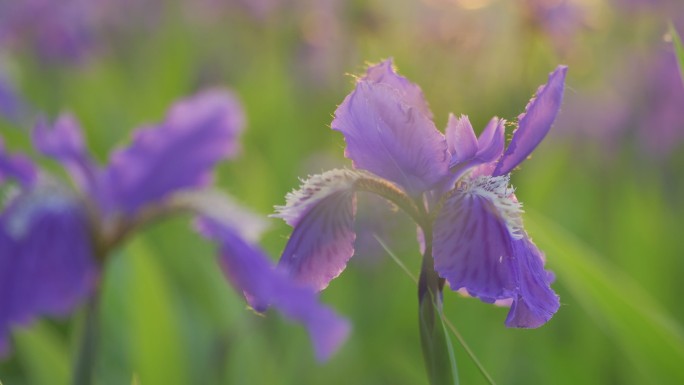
(461, 140)
(46, 262)
(322, 214)
(536, 302)
(178, 154)
(64, 142)
(17, 167)
(472, 239)
(490, 143)
(250, 272)
(410, 92)
(388, 133)
(535, 122)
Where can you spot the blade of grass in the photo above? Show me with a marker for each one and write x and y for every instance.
(645, 331)
(679, 50)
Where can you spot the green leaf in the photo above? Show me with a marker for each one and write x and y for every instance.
(438, 351)
(43, 355)
(638, 324)
(679, 50)
(157, 349)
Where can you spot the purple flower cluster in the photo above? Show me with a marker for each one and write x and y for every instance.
(55, 240)
(455, 186)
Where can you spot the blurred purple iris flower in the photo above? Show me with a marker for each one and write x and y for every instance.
(54, 240)
(455, 186)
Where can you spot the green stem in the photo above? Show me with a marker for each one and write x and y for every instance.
(437, 350)
(85, 362)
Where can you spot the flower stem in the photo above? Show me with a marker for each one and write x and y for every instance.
(437, 350)
(85, 362)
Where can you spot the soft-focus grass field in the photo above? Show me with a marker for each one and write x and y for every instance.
(608, 216)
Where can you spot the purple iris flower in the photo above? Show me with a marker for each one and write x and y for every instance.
(455, 186)
(55, 240)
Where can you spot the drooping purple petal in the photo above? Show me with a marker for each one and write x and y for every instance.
(12, 106)
(388, 132)
(177, 154)
(461, 140)
(322, 214)
(16, 166)
(479, 245)
(64, 142)
(535, 303)
(535, 122)
(251, 273)
(46, 258)
(472, 242)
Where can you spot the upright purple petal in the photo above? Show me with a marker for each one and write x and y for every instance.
(250, 272)
(17, 167)
(64, 142)
(535, 303)
(388, 132)
(490, 143)
(322, 213)
(461, 140)
(46, 261)
(535, 122)
(410, 92)
(179, 153)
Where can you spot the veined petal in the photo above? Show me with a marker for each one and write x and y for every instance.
(536, 302)
(490, 143)
(179, 153)
(250, 272)
(388, 132)
(535, 122)
(410, 92)
(64, 142)
(461, 139)
(46, 258)
(18, 167)
(472, 239)
(322, 214)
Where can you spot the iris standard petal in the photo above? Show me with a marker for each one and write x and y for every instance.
(250, 272)
(64, 142)
(410, 92)
(17, 167)
(387, 133)
(536, 302)
(490, 143)
(535, 122)
(50, 268)
(472, 241)
(322, 214)
(461, 140)
(177, 154)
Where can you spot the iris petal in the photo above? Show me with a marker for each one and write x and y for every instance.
(461, 139)
(46, 260)
(535, 303)
(177, 154)
(64, 142)
(472, 247)
(250, 272)
(535, 122)
(388, 131)
(16, 166)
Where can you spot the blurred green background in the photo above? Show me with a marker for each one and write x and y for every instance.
(603, 204)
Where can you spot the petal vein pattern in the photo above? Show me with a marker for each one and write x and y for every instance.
(322, 213)
(387, 132)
